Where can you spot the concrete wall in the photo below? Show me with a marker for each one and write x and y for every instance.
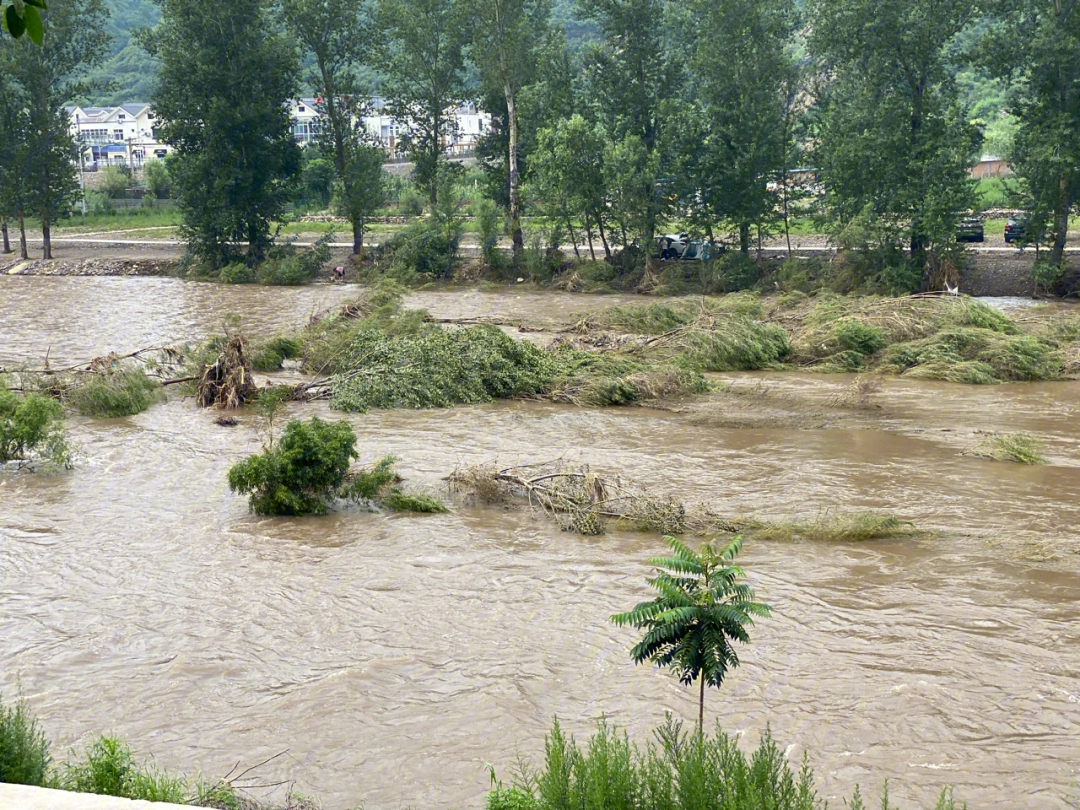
(21, 797)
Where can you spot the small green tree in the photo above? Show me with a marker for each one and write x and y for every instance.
(301, 473)
(31, 427)
(116, 181)
(158, 182)
(24, 749)
(701, 608)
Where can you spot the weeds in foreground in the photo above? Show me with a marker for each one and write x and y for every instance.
(32, 428)
(108, 768)
(679, 771)
(1022, 448)
(24, 749)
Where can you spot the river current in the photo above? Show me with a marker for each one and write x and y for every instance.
(395, 656)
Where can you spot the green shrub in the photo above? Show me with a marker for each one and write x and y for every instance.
(489, 228)
(109, 769)
(427, 246)
(32, 427)
(412, 502)
(123, 393)
(302, 473)
(24, 750)
(270, 355)
(286, 266)
(236, 273)
(1022, 448)
(856, 336)
(436, 368)
(370, 484)
(964, 354)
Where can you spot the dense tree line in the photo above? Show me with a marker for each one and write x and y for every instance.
(692, 113)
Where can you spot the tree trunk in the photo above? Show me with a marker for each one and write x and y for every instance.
(1061, 219)
(603, 236)
(701, 706)
(7, 239)
(744, 238)
(46, 239)
(573, 236)
(516, 237)
(22, 236)
(358, 237)
(588, 234)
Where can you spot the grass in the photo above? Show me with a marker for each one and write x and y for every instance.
(270, 355)
(834, 528)
(121, 393)
(120, 220)
(24, 748)
(108, 768)
(1021, 448)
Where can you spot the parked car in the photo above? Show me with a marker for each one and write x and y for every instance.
(681, 246)
(969, 229)
(1016, 230)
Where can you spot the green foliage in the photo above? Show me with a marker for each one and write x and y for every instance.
(681, 772)
(378, 487)
(121, 393)
(32, 427)
(301, 473)
(1022, 448)
(116, 180)
(109, 769)
(288, 266)
(489, 229)
(156, 176)
(236, 273)
(270, 355)
(427, 246)
(436, 368)
(24, 749)
(834, 528)
(700, 609)
(234, 155)
(981, 356)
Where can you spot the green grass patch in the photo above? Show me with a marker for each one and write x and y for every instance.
(1021, 448)
(121, 393)
(833, 528)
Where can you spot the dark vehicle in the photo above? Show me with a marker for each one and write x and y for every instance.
(969, 229)
(1016, 230)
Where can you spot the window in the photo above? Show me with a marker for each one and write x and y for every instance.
(118, 134)
(300, 108)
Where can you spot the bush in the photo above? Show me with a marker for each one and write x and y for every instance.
(158, 181)
(24, 750)
(116, 180)
(427, 246)
(109, 769)
(489, 229)
(31, 427)
(288, 267)
(123, 393)
(302, 473)
(436, 368)
(270, 355)
(236, 273)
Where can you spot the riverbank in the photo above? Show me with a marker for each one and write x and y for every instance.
(24, 797)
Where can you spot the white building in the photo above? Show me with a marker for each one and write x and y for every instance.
(471, 124)
(122, 135)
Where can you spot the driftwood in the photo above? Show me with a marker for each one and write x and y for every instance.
(228, 382)
(577, 498)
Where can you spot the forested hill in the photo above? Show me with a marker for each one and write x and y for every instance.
(128, 76)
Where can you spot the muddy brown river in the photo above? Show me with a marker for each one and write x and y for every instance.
(395, 656)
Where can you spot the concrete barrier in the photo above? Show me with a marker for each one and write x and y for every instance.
(23, 797)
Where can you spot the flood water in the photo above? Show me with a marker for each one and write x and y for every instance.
(395, 656)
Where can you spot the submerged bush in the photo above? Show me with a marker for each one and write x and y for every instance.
(437, 368)
(286, 265)
(31, 427)
(966, 354)
(1022, 448)
(24, 750)
(379, 487)
(122, 393)
(302, 473)
(269, 356)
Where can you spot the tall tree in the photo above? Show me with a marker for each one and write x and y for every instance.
(338, 36)
(630, 72)
(227, 75)
(733, 121)
(1037, 46)
(701, 607)
(894, 141)
(12, 149)
(423, 44)
(510, 36)
(47, 77)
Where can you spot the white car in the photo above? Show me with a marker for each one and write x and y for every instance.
(681, 246)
